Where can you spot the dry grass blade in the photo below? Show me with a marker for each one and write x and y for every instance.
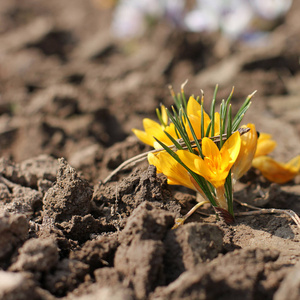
(258, 211)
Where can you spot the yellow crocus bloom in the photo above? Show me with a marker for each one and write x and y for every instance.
(216, 163)
(275, 171)
(246, 154)
(265, 145)
(153, 129)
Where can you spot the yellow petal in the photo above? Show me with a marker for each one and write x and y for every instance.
(164, 114)
(209, 148)
(193, 106)
(151, 127)
(275, 171)
(248, 147)
(233, 145)
(217, 124)
(192, 161)
(196, 164)
(144, 137)
(196, 124)
(265, 145)
(154, 160)
(174, 171)
(294, 163)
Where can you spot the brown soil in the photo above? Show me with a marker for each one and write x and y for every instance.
(69, 95)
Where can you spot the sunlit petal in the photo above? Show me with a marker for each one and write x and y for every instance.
(196, 124)
(265, 145)
(233, 145)
(151, 127)
(144, 137)
(153, 160)
(193, 106)
(248, 147)
(164, 114)
(209, 148)
(175, 172)
(275, 171)
(294, 163)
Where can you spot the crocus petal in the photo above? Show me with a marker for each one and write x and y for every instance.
(192, 161)
(196, 164)
(151, 127)
(275, 171)
(193, 107)
(209, 148)
(233, 145)
(162, 137)
(144, 137)
(175, 172)
(153, 160)
(246, 154)
(217, 124)
(196, 124)
(294, 163)
(164, 114)
(265, 145)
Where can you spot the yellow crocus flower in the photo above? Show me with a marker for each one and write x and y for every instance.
(276, 171)
(246, 154)
(153, 129)
(216, 163)
(265, 144)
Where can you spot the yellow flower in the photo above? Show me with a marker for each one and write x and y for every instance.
(275, 171)
(246, 154)
(194, 115)
(216, 163)
(265, 145)
(175, 172)
(154, 129)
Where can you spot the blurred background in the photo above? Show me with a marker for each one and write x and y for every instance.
(76, 76)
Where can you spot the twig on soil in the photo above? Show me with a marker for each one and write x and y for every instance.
(258, 211)
(143, 156)
(180, 221)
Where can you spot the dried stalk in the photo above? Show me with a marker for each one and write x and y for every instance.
(258, 211)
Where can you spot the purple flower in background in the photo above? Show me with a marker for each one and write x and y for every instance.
(233, 18)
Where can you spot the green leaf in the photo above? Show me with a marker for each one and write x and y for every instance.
(229, 122)
(228, 193)
(175, 143)
(193, 133)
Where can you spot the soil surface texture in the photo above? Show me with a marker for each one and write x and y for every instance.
(70, 93)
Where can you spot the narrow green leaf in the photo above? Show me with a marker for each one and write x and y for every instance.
(229, 122)
(158, 113)
(208, 129)
(228, 193)
(181, 129)
(175, 143)
(193, 133)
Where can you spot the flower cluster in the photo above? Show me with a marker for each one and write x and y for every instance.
(195, 150)
(208, 153)
(234, 18)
